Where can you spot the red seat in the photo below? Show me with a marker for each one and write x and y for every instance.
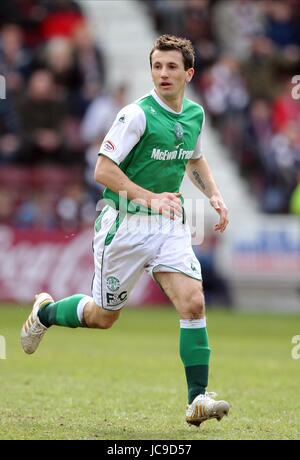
(54, 177)
(15, 177)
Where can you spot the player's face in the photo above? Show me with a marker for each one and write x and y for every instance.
(169, 75)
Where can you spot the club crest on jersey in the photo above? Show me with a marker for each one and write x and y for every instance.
(108, 146)
(178, 131)
(152, 110)
(112, 283)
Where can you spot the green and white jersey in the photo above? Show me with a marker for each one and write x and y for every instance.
(152, 144)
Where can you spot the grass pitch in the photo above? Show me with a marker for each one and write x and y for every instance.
(129, 383)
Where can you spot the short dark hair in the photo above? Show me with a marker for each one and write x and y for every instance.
(171, 42)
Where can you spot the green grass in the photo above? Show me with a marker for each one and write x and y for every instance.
(128, 382)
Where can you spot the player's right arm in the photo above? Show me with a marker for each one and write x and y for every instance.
(111, 176)
(124, 134)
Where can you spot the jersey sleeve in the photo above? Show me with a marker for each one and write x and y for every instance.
(125, 133)
(198, 149)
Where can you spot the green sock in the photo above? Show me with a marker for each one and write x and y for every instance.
(194, 353)
(65, 312)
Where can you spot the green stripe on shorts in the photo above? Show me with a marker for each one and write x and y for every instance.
(114, 228)
(99, 219)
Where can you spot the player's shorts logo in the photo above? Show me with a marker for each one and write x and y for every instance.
(112, 283)
(114, 300)
(108, 146)
(194, 268)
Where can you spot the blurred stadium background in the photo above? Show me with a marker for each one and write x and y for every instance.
(67, 68)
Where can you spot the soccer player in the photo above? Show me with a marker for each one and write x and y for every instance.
(142, 161)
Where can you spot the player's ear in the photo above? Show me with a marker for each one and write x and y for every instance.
(189, 75)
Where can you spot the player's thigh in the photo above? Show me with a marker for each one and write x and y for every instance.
(119, 257)
(185, 292)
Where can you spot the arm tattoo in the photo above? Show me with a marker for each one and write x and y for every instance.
(198, 179)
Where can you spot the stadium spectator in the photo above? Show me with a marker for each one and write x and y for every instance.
(261, 68)
(235, 23)
(10, 138)
(167, 14)
(37, 211)
(15, 59)
(89, 61)
(75, 208)
(95, 124)
(285, 109)
(198, 27)
(7, 205)
(280, 25)
(226, 96)
(59, 60)
(9, 13)
(62, 18)
(42, 116)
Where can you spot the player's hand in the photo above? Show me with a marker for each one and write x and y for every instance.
(168, 204)
(218, 204)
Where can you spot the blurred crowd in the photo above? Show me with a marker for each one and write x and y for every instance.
(54, 110)
(247, 63)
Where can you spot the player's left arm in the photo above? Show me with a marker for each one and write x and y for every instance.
(200, 174)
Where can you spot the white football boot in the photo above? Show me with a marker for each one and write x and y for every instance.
(204, 407)
(33, 330)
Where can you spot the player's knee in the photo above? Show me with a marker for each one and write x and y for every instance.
(196, 304)
(193, 305)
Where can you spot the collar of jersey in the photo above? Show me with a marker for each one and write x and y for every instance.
(163, 105)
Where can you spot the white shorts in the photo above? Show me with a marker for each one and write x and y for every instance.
(125, 245)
